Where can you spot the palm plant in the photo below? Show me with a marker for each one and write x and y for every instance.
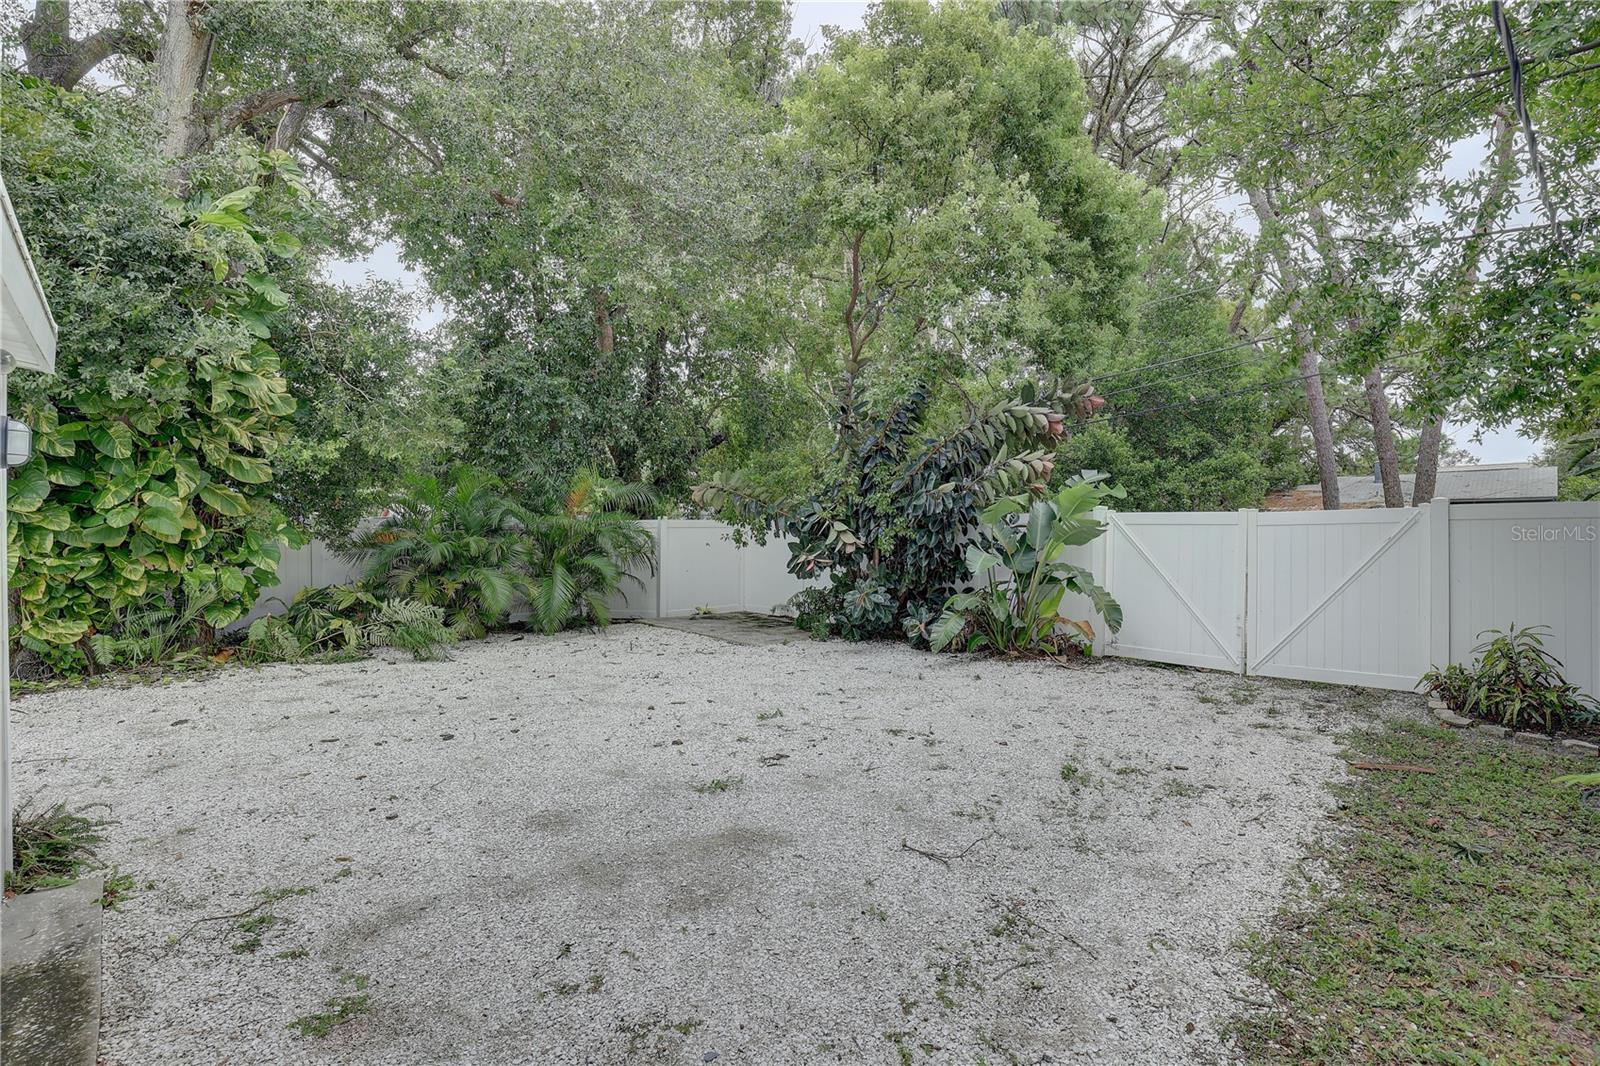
(582, 552)
(153, 631)
(1026, 536)
(455, 542)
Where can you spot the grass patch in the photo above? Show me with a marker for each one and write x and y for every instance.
(337, 1010)
(52, 847)
(719, 784)
(1463, 925)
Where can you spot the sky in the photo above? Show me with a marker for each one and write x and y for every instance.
(1496, 446)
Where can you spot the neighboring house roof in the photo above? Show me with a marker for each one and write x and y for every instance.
(27, 329)
(1486, 483)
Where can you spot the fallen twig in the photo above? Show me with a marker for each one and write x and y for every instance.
(1398, 767)
(1016, 908)
(945, 859)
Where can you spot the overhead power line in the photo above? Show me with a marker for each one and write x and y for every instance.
(1203, 401)
(1185, 376)
(1186, 358)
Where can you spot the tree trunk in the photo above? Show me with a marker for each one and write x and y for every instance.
(181, 66)
(1383, 437)
(1471, 261)
(1427, 461)
(1317, 414)
(1310, 357)
(605, 334)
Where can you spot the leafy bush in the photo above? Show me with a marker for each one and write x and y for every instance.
(155, 436)
(1022, 611)
(1515, 682)
(580, 554)
(152, 632)
(457, 543)
(889, 521)
(334, 619)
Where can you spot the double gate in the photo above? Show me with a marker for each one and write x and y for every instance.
(1359, 597)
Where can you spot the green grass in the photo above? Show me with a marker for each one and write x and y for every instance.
(337, 1010)
(719, 784)
(1463, 925)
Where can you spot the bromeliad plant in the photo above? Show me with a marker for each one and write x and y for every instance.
(1514, 682)
(888, 523)
(1026, 537)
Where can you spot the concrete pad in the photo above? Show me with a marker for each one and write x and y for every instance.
(743, 628)
(50, 976)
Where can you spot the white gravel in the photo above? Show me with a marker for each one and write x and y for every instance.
(508, 851)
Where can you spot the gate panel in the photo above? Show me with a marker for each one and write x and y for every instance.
(1179, 580)
(1340, 596)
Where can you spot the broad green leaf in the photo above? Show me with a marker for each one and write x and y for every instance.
(112, 438)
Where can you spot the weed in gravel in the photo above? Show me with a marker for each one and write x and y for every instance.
(1178, 789)
(337, 1010)
(719, 784)
(875, 912)
(767, 716)
(292, 953)
(1461, 910)
(255, 921)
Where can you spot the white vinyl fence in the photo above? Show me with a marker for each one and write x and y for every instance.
(1359, 597)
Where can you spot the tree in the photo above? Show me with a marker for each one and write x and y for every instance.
(1337, 121)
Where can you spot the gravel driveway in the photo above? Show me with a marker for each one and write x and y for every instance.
(653, 846)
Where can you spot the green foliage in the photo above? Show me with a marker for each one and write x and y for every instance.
(581, 553)
(1514, 681)
(456, 542)
(1027, 537)
(346, 619)
(887, 526)
(1458, 921)
(53, 847)
(152, 631)
(156, 436)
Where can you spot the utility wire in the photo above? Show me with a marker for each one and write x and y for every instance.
(1204, 401)
(1502, 27)
(1185, 376)
(1185, 359)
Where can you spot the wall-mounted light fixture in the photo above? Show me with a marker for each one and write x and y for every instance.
(16, 442)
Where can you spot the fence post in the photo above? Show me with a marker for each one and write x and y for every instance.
(1100, 567)
(661, 567)
(1247, 567)
(1438, 582)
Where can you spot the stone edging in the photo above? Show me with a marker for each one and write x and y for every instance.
(1444, 714)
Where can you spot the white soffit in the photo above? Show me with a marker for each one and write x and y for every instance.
(27, 329)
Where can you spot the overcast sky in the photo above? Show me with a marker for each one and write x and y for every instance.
(1498, 446)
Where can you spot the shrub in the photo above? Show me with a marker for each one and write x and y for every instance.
(888, 523)
(1026, 537)
(1514, 682)
(455, 542)
(153, 631)
(333, 619)
(155, 436)
(580, 554)
(53, 847)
